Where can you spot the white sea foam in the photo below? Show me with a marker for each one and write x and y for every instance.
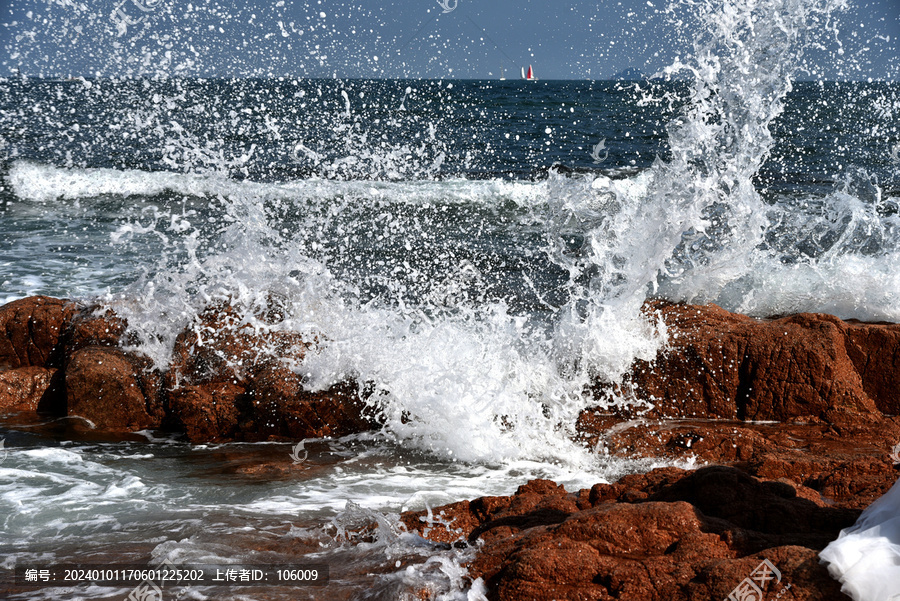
(46, 183)
(456, 373)
(463, 375)
(866, 557)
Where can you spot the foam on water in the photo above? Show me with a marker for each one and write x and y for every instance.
(475, 315)
(109, 503)
(467, 375)
(43, 183)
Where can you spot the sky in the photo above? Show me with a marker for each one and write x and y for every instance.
(468, 39)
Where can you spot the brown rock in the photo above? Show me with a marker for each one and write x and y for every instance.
(282, 408)
(94, 326)
(697, 535)
(114, 390)
(23, 389)
(228, 382)
(723, 365)
(770, 507)
(276, 407)
(30, 330)
(875, 352)
(208, 413)
(634, 488)
(822, 380)
(221, 347)
(850, 465)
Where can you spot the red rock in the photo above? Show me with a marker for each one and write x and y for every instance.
(94, 326)
(222, 347)
(282, 408)
(647, 537)
(634, 488)
(23, 389)
(30, 330)
(875, 352)
(228, 382)
(724, 365)
(672, 534)
(277, 407)
(849, 464)
(208, 413)
(114, 390)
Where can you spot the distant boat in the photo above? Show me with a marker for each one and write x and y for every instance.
(502, 77)
(530, 75)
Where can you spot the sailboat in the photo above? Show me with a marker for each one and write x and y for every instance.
(530, 75)
(502, 77)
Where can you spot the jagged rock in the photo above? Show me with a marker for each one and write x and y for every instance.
(228, 381)
(875, 352)
(282, 407)
(221, 346)
(208, 413)
(850, 464)
(114, 390)
(728, 366)
(93, 326)
(666, 535)
(30, 330)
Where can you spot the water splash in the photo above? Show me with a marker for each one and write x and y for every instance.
(442, 576)
(685, 228)
(478, 341)
(770, 256)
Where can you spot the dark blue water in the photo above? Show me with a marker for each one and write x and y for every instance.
(482, 128)
(476, 252)
(829, 137)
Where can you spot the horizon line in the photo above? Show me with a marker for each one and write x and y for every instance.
(67, 78)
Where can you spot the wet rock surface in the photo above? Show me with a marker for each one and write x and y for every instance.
(847, 464)
(116, 391)
(23, 389)
(667, 534)
(796, 415)
(729, 366)
(798, 412)
(30, 330)
(228, 380)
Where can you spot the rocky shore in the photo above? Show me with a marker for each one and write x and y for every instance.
(797, 419)
(64, 359)
(794, 419)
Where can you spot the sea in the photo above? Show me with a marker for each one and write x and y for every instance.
(475, 253)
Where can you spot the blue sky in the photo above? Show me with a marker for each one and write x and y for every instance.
(563, 39)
